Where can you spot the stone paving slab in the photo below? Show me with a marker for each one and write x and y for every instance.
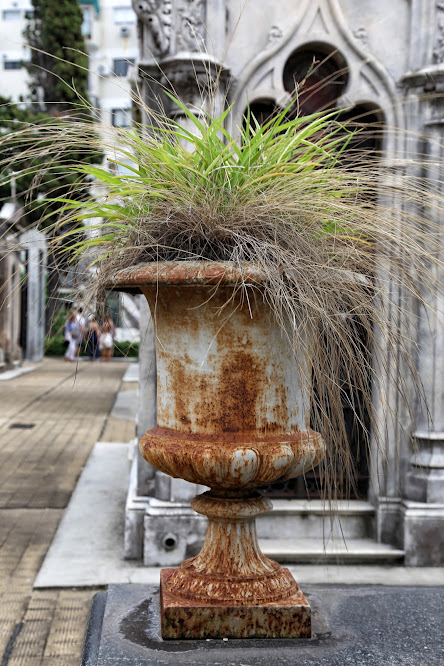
(125, 406)
(118, 430)
(92, 541)
(132, 373)
(359, 626)
(52, 423)
(24, 538)
(52, 630)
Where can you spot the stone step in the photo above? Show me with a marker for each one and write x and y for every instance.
(317, 519)
(322, 507)
(338, 551)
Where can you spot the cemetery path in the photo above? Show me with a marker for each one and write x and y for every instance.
(49, 422)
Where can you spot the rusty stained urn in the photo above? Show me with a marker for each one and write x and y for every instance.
(232, 414)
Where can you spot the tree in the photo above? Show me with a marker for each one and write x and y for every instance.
(59, 79)
(36, 177)
(14, 117)
(59, 64)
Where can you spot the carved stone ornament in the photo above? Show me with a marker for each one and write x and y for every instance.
(155, 18)
(188, 79)
(438, 51)
(274, 36)
(190, 29)
(362, 36)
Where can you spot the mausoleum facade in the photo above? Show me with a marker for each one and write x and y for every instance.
(384, 63)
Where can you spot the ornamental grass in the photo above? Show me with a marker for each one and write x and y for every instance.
(348, 242)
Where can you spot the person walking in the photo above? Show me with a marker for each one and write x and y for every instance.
(112, 327)
(93, 335)
(106, 342)
(80, 318)
(72, 335)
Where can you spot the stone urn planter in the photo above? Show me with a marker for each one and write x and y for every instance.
(232, 415)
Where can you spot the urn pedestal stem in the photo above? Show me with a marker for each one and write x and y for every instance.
(230, 568)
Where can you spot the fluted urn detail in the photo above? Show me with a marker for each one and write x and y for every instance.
(232, 414)
(218, 463)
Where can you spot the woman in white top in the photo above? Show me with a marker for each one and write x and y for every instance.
(106, 342)
(73, 337)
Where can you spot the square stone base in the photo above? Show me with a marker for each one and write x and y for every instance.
(184, 618)
(423, 534)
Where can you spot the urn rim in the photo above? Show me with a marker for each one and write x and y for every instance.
(187, 273)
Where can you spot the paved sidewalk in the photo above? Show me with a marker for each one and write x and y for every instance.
(49, 421)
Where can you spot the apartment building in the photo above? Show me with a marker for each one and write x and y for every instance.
(14, 78)
(110, 31)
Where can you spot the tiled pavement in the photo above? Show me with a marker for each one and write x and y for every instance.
(49, 421)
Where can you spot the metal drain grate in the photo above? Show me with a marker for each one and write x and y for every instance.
(22, 426)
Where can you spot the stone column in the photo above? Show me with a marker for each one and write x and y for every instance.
(146, 409)
(11, 216)
(182, 46)
(34, 243)
(423, 506)
(10, 350)
(142, 477)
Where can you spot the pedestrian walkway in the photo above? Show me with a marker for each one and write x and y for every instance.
(49, 422)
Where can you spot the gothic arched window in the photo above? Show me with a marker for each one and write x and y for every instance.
(368, 121)
(317, 76)
(261, 110)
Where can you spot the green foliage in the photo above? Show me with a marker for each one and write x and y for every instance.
(126, 349)
(54, 346)
(59, 66)
(58, 321)
(12, 118)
